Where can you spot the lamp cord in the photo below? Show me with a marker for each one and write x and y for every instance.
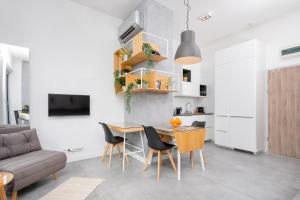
(188, 9)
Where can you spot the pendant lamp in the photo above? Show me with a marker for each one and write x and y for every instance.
(188, 51)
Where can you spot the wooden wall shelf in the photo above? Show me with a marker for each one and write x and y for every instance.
(150, 90)
(141, 57)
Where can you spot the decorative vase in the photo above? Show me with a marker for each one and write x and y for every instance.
(138, 86)
(125, 57)
(124, 88)
(157, 84)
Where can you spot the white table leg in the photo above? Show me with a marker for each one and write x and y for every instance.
(202, 161)
(142, 144)
(124, 147)
(178, 165)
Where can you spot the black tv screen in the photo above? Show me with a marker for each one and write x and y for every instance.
(66, 105)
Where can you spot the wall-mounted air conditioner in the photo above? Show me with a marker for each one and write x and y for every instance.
(132, 25)
(290, 51)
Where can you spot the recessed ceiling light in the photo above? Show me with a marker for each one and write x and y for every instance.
(206, 17)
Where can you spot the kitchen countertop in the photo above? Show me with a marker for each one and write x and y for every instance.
(193, 114)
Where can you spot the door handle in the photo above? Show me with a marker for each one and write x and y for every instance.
(236, 116)
(221, 130)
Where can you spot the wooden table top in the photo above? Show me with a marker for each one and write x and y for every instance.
(126, 127)
(6, 178)
(168, 130)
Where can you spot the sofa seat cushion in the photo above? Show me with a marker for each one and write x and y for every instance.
(14, 144)
(33, 166)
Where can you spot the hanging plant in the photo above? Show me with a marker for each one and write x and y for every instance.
(148, 51)
(128, 96)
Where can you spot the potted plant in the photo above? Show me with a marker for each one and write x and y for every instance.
(125, 70)
(145, 84)
(127, 96)
(138, 83)
(126, 53)
(120, 80)
(148, 51)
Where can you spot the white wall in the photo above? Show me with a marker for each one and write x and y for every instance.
(71, 50)
(275, 34)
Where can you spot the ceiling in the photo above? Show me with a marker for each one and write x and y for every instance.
(229, 16)
(117, 8)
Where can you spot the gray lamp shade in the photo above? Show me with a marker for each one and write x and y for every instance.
(188, 51)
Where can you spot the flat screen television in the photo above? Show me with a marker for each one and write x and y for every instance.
(68, 105)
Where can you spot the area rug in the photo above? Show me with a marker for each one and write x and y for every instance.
(76, 188)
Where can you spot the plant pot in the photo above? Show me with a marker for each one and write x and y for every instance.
(138, 86)
(124, 88)
(145, 85)
(125, 57)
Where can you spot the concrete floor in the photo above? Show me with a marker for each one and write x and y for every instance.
(230, 175)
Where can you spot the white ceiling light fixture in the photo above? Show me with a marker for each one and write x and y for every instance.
(188, 51)
(206, 17)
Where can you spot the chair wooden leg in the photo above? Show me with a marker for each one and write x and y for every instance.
(192, 159)
(191, 155)
(158, 165)
(104, 152)
(172, 161)
(2, 193)
(119, 151)
(149, 158)
(54, 176)
(110, 154)
(147, 161)
(14, 196)
(202, 161)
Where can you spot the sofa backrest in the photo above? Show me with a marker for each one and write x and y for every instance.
(13, 129)
(14, 144)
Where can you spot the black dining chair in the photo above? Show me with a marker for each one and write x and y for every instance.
(156, 145)
(111, 142)
(199, 124)
(17, 116)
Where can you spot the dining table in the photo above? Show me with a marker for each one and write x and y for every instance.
(188, 139)
(129, 128)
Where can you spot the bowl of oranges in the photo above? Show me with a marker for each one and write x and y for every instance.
(175, 122)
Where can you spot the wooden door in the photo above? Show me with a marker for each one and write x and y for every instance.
(284, 111)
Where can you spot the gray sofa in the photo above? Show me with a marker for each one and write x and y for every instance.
(22, 155)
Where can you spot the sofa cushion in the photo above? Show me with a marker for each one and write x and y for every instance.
(33, 166)
(14, 144)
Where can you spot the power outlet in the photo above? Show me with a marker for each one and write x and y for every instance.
(74, 150)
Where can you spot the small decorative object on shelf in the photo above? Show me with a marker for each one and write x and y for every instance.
(175, 122)
(158, 84)
(169, 83)
(138, 83)
(126, 53)
(145, 84)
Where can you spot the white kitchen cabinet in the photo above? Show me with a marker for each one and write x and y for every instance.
(238, 83)
(242, 130)
(222, 138)
(222, 77)
(242, 88)
(188, 120)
